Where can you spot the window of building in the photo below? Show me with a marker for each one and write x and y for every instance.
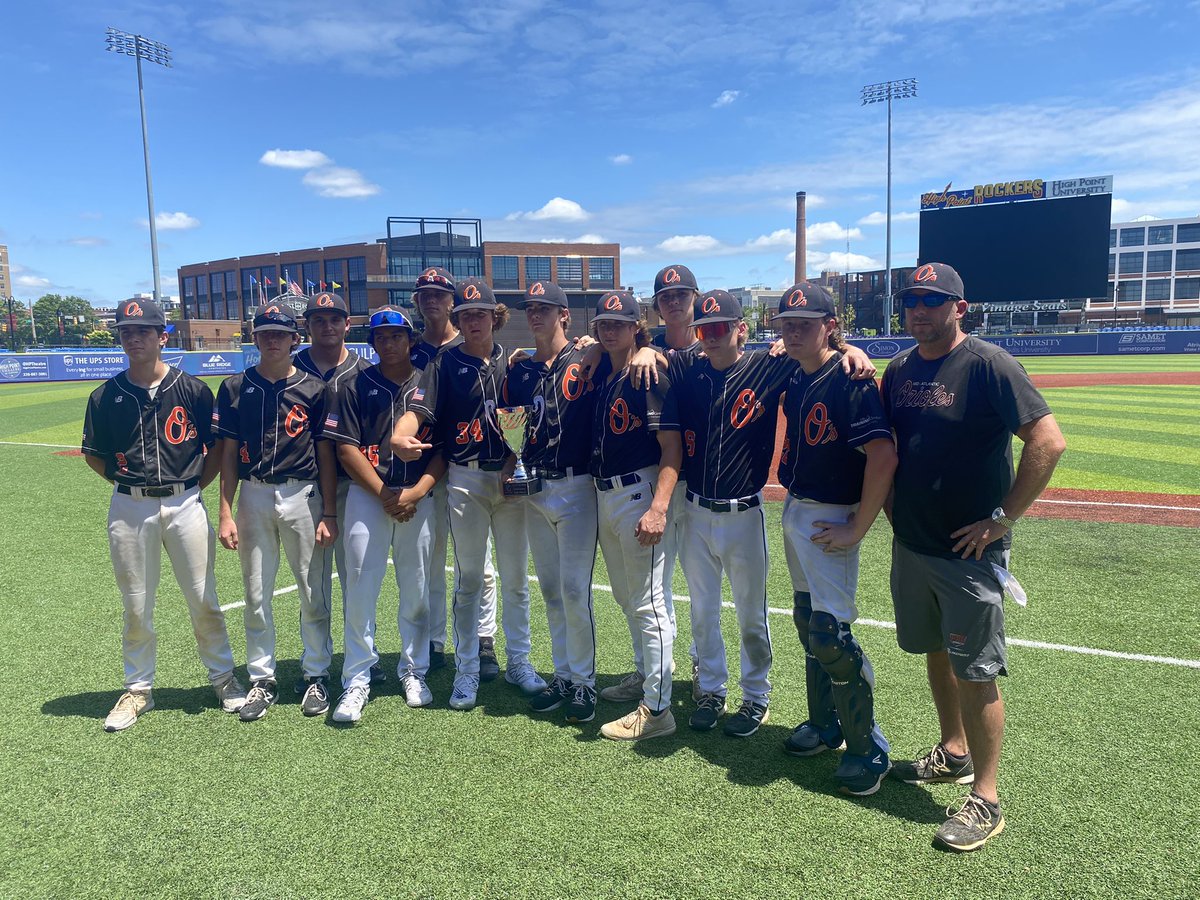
(356, 269)
(1112, 264)
(335, 270)
(1112, 237)
(1187, 260)
(1188, 234)
(1131, 291)
(537, 268)
(1158, 289)
(1131, 263)
(1162, 234)
(400, 268)
(1158, 261)
(358, 300)
(466, 266)
(312, 277)
(1133, 237)
(270, 281)
(600, 271)
(1187, 288)
(504, 272)
(189, 297)
(570, 271)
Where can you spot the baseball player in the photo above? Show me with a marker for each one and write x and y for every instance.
(433, 295)
(148, 431)
(837, 464)
(635, 465)
(457, 397)
(561, 517)
(270, 419)
(388, 508)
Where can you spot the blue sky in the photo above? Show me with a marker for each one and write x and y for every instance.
(681, 130)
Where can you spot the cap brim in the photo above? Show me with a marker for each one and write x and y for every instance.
(130, 323)
(714, 320)
(913, 288)
(614, 317)
(286, 328)
(462, 306)
(321, 309)
(675, 287)
(798, 314)
(525, 301)
(434, 287)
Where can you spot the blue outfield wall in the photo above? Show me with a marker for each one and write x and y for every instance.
(104, 363)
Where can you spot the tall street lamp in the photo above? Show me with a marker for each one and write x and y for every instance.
(878, 93)
(143, 48)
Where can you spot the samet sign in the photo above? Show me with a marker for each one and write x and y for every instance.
(997, 192)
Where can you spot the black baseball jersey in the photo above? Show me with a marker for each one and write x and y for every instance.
(954, 419)
(150, 441)
(625, 425)
(340, 374)
(364, 413)
(659, 341)
(559, 434)
(458, 395)
(422, 353)
(727, 420)
(276, 423)
(829, 418)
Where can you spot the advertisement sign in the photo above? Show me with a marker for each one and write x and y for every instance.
(20, 367)
(1078, 187)
(1009, 191)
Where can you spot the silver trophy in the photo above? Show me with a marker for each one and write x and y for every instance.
(512, 421)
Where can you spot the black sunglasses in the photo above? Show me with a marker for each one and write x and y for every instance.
(932, 301)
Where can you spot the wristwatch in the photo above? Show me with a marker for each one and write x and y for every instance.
(1000, 518)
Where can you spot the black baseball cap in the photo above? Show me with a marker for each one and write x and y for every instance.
(275, 318)
(937, 278)
(391, 316)
(674, 277)
(435, 278)
(806, 300)
(618, 306)
(546, 292)
(718, 306)
(141, 312)
(473, 293)
(326, 302)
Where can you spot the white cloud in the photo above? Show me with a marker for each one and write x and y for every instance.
(88, 241)
(295, 159)
(725, 98)
(632, 252)
(879, 218)
(621, 159)
(690, 243)
(32, 282)
(589, 238)
(558, 208)
(335, 181)
(174, 221)
(817, 261)
(783, 237)
(820, 232)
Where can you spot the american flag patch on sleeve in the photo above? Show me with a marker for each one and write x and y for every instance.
(418, 395)
(331, 421)
(216, 417)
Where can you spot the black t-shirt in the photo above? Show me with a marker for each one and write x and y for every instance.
(422, 353)
(458, 395)
(364, 413)
(829, 419)
(727, 419)
(625, 423)
(954, 419)
(276, 424)
(340, 374)
(559, 433)
(150, 441)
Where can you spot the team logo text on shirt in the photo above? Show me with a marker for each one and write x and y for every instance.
(923, 395)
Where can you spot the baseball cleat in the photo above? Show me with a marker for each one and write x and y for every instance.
(129, 706)
(466, 689)
(747, 719)
(628, 688)
(582, 706)
(807, 739)
(437, 657)
(316, 697)
(971, 825)
(350, 705)
(378, 676)
(640, 725)
(711, 708)
(936, 766)
(524, 677)
(861, 776)
(416, 691)
(231, 694)
(489, 666)
(557, 692)
(261, 698)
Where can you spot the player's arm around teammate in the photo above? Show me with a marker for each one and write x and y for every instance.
(270, 418)
(147, 431)
(837, 465)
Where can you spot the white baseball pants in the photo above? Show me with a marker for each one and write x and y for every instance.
(437, 575)
(138, 530)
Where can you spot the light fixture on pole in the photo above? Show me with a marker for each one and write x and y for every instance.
(887, 91)
(143, 48)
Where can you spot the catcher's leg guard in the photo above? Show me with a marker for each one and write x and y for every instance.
(831, 642)
(821, 710)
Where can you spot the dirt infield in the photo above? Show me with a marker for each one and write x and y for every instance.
(1074, 379)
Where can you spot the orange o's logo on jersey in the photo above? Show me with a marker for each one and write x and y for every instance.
(296, 421)
(612, 301)
(324, 300)
(618, 416)
(745, 409)
(573, 386)
(133, 309)
(797, 299)
(176, 429)
(925, 273)
(711, 305)
(818, 427)
(537, 289)
(471, 292)
(671, 276)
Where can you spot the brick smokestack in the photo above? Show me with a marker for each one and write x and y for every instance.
(801, 238)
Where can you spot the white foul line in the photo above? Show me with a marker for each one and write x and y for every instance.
(1195, 509)
(890, 626)
(33, 444)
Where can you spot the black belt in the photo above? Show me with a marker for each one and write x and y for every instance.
(278, 479)
(607, 484)
(494, 466)
(558, 474)
(739, 505)
(164, 490)
(397, 488)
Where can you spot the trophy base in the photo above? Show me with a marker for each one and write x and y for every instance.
(522, 487)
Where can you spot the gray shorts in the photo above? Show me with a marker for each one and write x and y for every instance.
(956, 605)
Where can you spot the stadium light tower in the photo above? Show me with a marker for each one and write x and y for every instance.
(143, 48)
(888, 91)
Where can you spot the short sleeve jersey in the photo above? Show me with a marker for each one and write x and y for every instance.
(625, 424)
(364, 413)
(422, 353)
(458, 394)
(954, 419)
(276, 423)
(341, 374)
(559, 433)
(728, 420)
(659, 342)
(829, 419)
(150, 441)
